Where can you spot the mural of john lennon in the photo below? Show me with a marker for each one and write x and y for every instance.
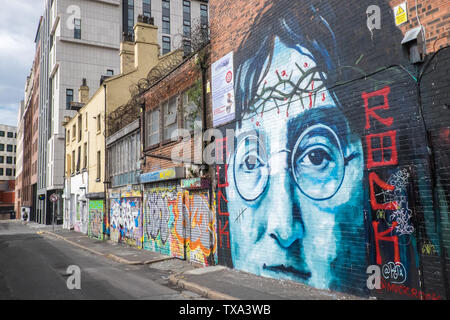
(296, 191)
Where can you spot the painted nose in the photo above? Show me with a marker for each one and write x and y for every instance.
(284, 223)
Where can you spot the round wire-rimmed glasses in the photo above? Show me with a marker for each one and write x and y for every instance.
(317, 164)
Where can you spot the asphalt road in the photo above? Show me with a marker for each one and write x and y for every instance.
(33, 267)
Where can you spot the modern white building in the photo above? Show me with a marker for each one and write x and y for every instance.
(8, 148)
(80, 39)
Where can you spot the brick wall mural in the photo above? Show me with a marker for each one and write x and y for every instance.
(320, 180)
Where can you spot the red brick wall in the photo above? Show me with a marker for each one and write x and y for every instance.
(434, 15)
(174, 84)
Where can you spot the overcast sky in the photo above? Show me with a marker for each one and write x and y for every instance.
(18, 25)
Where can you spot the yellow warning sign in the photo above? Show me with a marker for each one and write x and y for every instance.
(401, 15)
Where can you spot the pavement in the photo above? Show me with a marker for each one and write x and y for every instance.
(215, 282)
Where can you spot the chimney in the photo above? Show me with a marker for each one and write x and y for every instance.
(83, 92)
(126, 55)
(146, 48)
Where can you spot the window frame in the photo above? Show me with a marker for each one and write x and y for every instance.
(164, 42)
(77, 29)
(171, 102)
(150, 126)
(67, 98)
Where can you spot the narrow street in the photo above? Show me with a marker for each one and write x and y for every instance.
(35, 267)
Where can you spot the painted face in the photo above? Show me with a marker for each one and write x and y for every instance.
(296, 173)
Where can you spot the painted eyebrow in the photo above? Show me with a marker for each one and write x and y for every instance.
(330, 116)
(259, 133)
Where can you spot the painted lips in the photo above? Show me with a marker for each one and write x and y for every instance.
(288, 271)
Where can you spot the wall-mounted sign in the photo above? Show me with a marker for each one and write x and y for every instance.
(401, 14)
(222, 75)
(161, 175)
(41, 197)
(53, 197)
(195, 183)
(131, 194)
(114, 195)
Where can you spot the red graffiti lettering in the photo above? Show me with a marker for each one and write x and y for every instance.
(220, 196)
(407, 291)
(370, 112)
(386, 147)
(374, 178)
(381, 236)
(223, 233)
(220, 145)
(226, 184)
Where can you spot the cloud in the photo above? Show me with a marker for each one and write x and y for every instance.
(19, 20)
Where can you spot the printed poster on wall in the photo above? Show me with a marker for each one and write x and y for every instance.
(223, 90)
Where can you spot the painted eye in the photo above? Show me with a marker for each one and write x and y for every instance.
(252, 162)
(318, 162)
(250, 171)
(317, 157)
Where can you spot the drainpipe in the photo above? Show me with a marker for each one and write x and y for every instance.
(105, 183)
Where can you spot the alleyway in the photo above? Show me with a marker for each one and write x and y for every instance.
(34, 267)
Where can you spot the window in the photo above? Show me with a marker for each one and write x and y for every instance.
(2, 147)
(80, 127)
(73, 161)
(109, 72)
(166, 16)
(166, 25)
(77, 29)
(165, 45)
(9, 160)
(204, 14)
(86, 120)
(130, 16)
(15, 148)
(191, 107)
(74, 132)
(79, 159)
(187, 18)
(2, 133)
(69, 97)
(1, 171)
(85, 156)
(10, 134)
(9, 148)
(68, 136)
(146, 8)
(170, 117)
(98, 164)
(9, 172)
(2, 159)
(152, 127)
(99, 123)
(165, 5)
